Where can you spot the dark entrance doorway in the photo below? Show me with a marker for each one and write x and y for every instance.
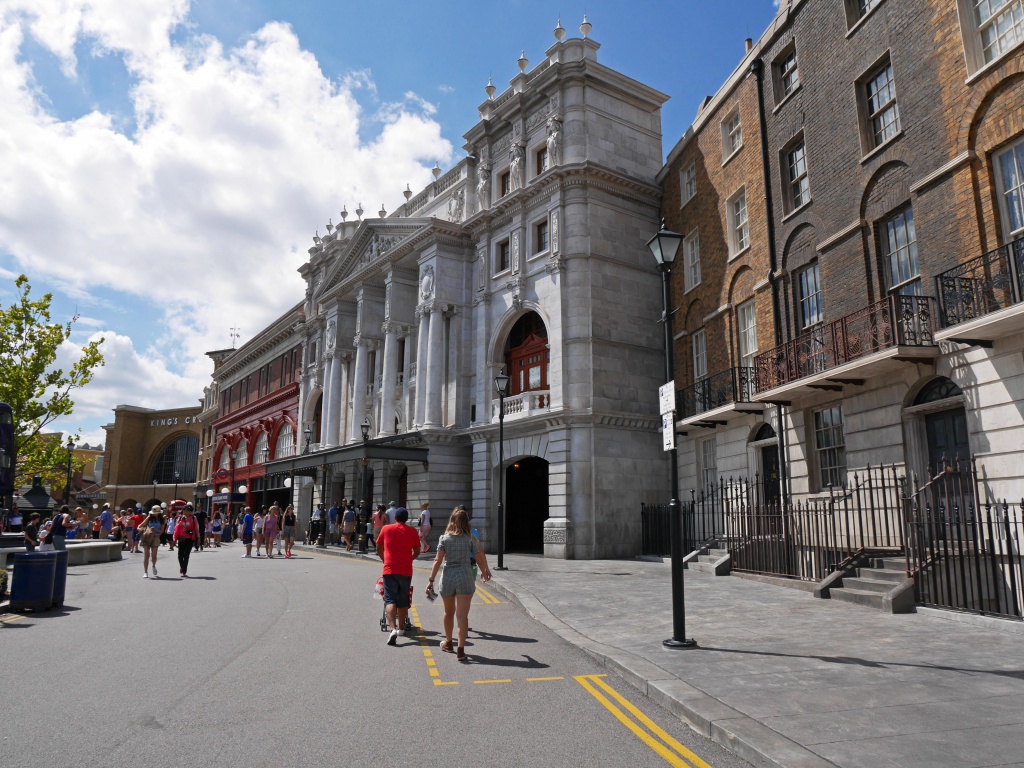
(770, 470)
(526, 505)
(947, 438)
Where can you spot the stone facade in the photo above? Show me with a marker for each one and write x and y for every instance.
(536, 238)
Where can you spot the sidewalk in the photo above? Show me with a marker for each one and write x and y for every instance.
(784, 679)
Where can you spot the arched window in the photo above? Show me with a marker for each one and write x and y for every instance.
(225, 459)
(764, 432)
(242, 454)
(261, 453)
(285, 445)
(528, 355)
(938, 389)
(180, 458)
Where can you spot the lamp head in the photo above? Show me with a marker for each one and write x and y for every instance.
(365, 429)
(665, 245)
(501, 383)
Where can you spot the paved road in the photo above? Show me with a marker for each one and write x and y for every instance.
(282, 663)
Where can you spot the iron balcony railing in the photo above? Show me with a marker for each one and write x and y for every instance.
(894, 321)
(735, 385)
(985, 284)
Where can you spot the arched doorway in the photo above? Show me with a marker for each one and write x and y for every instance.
(945, 429)
(766, 443)
(527, 355)
(526, 505)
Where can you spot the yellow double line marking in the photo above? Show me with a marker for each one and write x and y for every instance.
(486, 596)
(642, 726)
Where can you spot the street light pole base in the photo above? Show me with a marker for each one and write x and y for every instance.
(501, 567)
(673, 643)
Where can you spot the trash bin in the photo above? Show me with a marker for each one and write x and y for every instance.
(60, 577)
(32, 581)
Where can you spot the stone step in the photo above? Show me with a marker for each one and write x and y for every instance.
(867, 585)
(702, 567)
(882, 574)
(890, 564)
(858, 596)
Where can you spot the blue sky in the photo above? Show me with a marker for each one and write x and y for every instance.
(165, 163)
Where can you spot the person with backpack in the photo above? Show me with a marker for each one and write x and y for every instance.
(186, 534)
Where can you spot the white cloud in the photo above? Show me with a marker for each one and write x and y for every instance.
(208, 209)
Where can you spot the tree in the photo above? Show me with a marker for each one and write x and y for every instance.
(38, 391)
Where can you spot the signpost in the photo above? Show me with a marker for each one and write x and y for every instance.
(667, 404)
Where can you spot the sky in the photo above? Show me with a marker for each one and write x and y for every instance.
(164, 164)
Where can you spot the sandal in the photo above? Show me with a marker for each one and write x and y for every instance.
(446, 646)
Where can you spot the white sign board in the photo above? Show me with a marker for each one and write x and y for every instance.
(667, 397)
(668, 431)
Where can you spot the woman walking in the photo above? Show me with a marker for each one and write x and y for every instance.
(380, 519)
(454, 552)
(186, 534)
(217, 529)
(257, 529)
(270, 529)
(152, 526)
(288, 530)
(424, 526)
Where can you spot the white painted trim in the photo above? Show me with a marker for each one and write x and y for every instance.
(720, 311)
(944, 170)
(839, 236)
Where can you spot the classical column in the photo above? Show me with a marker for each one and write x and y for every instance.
(344, 411)
(435, 368)
(358, 391)
(390, 373)
(334, 400)
(406, 363)
(325, 412)
(423, 313)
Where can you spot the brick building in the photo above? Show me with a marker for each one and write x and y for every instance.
(892, 262)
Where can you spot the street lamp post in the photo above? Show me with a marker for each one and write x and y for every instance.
(263, 460)
(177, 478)
(67, 488)
(501, 384)
(154, 489)
(231, 488)
(364, 491)
(664, 246)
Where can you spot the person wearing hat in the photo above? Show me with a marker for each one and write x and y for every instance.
(392, 509)
(106, 521)
(186, 533)
(398, 545)
(152, 526)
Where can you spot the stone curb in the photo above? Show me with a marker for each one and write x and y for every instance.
(742, 735)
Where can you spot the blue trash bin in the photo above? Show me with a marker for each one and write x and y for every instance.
(32, 581)
(60, 577)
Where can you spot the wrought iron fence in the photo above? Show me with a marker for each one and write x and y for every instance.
(895, 320)
(806, 540)
(964, 553)
(655, 530)
(735, 385)
(985, 284)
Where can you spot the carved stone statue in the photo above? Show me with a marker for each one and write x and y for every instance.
(517, 162)
(483, 185)
(330, 335)
(554, 141)
(456, 205)
(427, 284)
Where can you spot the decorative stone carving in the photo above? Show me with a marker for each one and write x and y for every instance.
(483, 186)
(456, 205)
(515, 251)
(554, 232)
(555, 536)
(554, 141)
(330, 335)
(517, 165)
(481, 277)
(427, 283)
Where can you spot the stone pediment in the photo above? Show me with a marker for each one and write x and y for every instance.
(379, 243)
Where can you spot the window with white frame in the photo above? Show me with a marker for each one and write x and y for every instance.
(708, 464)
(691, 256)
(861, 8)
(746, 323)
(225, 459)
(809, 295)
(882, 112)
(261, 452)
(688, 182)
(1010, 165)
(732, 135)
(1000, 26)
(285, 445)
(798, 189)
(830, 447)
(899, 246)
(242, 454)
(787, 75)
(739, 231)
(540, 236)
(699, 344)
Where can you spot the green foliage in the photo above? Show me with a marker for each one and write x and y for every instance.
(38, 391)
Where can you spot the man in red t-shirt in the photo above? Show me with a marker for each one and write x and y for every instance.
(397, 545)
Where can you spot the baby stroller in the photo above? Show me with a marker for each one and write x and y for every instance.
(379, 592)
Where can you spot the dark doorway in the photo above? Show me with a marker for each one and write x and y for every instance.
(770, 474)
(947, 438)
(526, 505)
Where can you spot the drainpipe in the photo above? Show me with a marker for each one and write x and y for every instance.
(757, 70)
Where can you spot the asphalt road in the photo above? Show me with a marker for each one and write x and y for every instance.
(283, 663)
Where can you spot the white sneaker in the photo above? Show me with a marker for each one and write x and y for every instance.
(401, 632)
(393, 639)
(154, 570)
(145, 574)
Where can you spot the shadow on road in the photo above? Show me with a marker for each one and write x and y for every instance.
(528, 662)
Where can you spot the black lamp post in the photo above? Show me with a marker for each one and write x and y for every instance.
(154, 489)
(664, 246)
(501, 384)
(365, 506)
(263, 460)
(67, 488)
(177, 478)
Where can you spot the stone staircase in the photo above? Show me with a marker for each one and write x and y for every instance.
(882, 585)
(713, 559)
